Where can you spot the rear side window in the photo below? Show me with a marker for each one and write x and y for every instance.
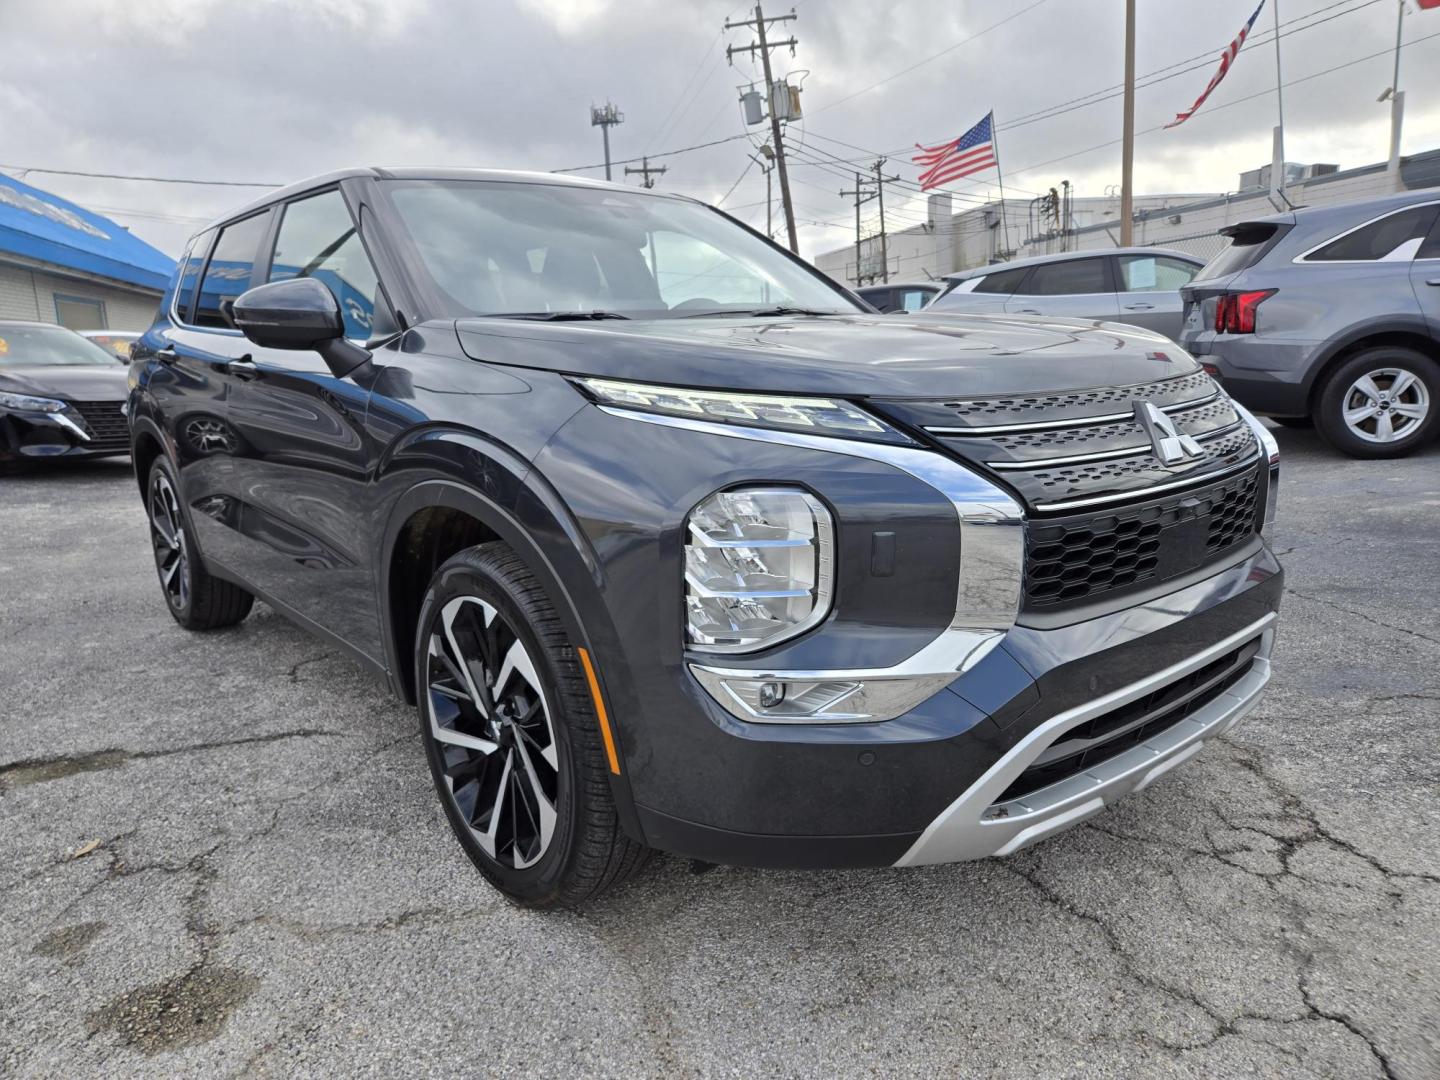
(1071, 277)
(912, 299)
(1248, 245)
(1002, 281)
(317, 239)
(231, 265)
(1153, 273)
(1386, 238)
(188, 274)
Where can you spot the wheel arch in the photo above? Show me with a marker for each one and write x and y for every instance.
(1401, 333)
(447, 511)
(146, 444)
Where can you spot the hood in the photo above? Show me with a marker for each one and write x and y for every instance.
(78, 382)
(919, 355)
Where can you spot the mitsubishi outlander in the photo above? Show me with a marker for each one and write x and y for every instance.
(674, 544)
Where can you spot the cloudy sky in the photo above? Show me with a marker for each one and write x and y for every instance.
(274, 90)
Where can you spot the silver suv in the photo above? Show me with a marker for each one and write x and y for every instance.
(1332, 314)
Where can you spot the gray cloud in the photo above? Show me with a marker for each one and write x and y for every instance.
(277, 91)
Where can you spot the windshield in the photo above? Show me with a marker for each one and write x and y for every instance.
(498, 248)
(52, 346)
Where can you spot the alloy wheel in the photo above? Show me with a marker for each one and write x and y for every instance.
(492, 725)
(167, 536)
(1386, 405)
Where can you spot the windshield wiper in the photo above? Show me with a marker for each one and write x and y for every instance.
(555, 316)
(778, 309)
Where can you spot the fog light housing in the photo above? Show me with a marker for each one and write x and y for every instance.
(759, 569)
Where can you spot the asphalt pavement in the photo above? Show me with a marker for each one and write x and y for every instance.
(222, 855)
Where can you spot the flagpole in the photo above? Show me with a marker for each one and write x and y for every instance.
(1277, 165)
(1000, 179)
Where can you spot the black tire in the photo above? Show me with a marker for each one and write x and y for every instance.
(1294, 421)
(197, 600)
(587, 853)
(1391, 366)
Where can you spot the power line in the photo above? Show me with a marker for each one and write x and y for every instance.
(148, 179)
(660, 154)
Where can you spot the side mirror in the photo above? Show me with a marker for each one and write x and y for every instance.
(298, 313)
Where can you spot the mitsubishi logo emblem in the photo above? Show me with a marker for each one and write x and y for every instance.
(1171, 447)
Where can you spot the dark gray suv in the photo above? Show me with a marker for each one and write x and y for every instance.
(1332, 314)
(675, 545)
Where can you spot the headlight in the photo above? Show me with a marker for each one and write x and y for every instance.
(759, 568)
(26, 403)
(818, 416)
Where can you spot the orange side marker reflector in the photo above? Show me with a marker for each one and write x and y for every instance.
(600, 711)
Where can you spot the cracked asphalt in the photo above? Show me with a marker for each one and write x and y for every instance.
(221, 855)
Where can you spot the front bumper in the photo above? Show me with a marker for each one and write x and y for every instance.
(983, 821)
(36, 436)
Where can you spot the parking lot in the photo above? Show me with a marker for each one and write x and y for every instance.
(222, 855)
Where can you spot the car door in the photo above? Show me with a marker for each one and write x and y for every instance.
(1425, 277)
(1079, 288)
(302, 464)
(1148, 288)
(196, 349)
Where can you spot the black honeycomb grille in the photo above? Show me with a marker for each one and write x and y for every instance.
(1060, 482)
(109, 429)
(1113, 435)
(1071, 559)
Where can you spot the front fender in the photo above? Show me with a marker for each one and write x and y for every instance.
(462, 471)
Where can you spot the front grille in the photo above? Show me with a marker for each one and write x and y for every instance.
(1058, 483)
(1110, 734)
(1047, 408)
(1073, 558)
(108, 427)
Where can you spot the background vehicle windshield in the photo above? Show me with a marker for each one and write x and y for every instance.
(497, 248)
(53, 346)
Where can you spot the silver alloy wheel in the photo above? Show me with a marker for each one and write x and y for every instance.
(167, 536)
(491, 721)
(1385, 405)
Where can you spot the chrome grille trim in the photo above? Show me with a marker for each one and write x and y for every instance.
(1105, 455)
(1079, 421)
(1123, 496)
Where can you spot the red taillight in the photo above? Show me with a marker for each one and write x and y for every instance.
(1235, 312)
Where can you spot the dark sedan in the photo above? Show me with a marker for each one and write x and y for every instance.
(60, 395)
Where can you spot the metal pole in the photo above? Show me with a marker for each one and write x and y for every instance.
(1277, 183)
(1000, 179)
(1127, 153)
(605, 134)
(857, 230)
(769, 226)
(1399, 31)
(884, 243)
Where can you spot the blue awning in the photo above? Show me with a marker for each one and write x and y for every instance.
(47, 228)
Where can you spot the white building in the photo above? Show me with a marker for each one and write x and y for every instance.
(949, 241)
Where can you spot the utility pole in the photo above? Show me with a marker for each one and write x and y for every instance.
(861, 195)
(1396, 97)
(1127, 153)
(767, 165)
(763, 47)
(880, 181)
(644, 171)
(605, 117)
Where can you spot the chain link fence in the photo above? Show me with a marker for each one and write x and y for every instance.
(1202, 245)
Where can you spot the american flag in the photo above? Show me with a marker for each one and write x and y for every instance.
(971, 153)
(1226, 59)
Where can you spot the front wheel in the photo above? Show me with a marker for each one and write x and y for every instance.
(1380, 403)
(512, 737)
(197, 600)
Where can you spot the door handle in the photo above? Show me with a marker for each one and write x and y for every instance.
(167, 355)
(241, 368)
(1432, 281)
(1028, 311)
(1139, 307)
